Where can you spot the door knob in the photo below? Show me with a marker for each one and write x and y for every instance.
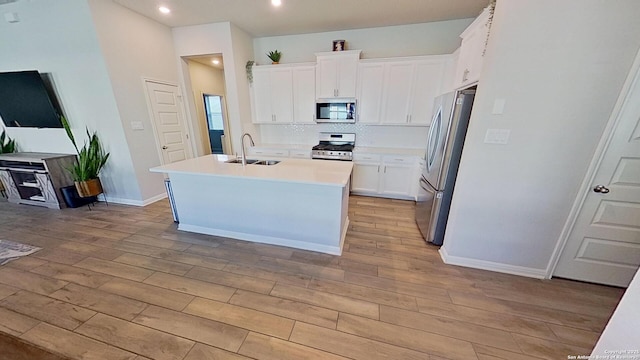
(164, 147)
(601, 189)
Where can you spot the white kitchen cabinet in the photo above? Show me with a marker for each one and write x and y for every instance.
(300, 154)
(304, 94)
(273, 94)
(409, 91)
(399, 91)
(474, 39)
(397, 179)
(389, 176)
(336, 74)
(370, 87)
(266, 152)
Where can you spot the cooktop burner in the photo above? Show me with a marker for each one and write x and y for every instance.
(332, 147)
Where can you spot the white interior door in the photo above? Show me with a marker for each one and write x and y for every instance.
(604, 244)
(165, 105)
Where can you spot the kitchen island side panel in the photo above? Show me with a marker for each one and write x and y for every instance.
(299, 215)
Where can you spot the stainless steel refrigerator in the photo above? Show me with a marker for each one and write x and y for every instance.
(442, 158)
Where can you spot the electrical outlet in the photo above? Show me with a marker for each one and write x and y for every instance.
(497, 136)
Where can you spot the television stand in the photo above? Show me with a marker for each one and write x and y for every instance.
(36, 178)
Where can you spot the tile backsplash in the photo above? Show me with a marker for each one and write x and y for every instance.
(405, 137)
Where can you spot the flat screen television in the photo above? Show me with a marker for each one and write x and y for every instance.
(25, 101)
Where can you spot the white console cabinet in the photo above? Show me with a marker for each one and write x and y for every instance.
(36, 178)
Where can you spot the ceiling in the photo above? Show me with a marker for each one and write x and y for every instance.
(259, 18)
(208, 60)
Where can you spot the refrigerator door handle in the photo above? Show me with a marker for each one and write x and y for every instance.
(427, 155)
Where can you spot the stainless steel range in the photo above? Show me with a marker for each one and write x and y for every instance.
(334, 146)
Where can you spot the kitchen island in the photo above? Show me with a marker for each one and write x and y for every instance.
(298, 203)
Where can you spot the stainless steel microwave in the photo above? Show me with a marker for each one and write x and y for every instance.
(336, 111)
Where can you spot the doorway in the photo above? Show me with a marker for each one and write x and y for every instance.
(213, 108)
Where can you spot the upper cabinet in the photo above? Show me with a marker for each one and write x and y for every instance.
(283, 94)
(400, 91)
(336, 74)
(474, 39)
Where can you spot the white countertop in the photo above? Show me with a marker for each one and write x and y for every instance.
(288, 170)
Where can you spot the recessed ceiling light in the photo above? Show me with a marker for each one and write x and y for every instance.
(276, 2)
(215, 61)
(164, 9)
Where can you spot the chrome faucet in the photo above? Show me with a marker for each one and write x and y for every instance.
(244, 156)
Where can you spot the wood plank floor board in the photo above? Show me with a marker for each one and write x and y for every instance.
(191, 286)
(500, 320)
(245, 318)
(58, 255)
(399, 287)
(350, 346)
(151, 263)
(271, 274)
(47, 309)
(202, 352)
(230, 279)
(269, 348)
(286, 308)
(529, 311)
(100, 301)
(327, 300)
(302, 268)
(135, 338)
(147, 293)
(549, 350)
(489, 353)
(26, 263)
(73, 274)
(382, 297)
(452, 328)
(91, 250)
(114, 268)
(29, 281)
(6, 290)
(429, 343)
(16, 324)
(157, 242)
(214, 333)
(73, 345)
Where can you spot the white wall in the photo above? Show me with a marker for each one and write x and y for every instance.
(622, 331)
(136, 48)
(404, 40)
(204, 80)
(58, 37)
(560, 72)
(236, 49)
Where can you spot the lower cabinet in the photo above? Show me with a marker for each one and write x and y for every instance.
(385, 176)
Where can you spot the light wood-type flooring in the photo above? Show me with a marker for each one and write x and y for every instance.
(121, 282)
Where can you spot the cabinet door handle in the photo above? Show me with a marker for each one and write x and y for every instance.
(465, 74)
(409, 118)
(385, 169)
(378, 168)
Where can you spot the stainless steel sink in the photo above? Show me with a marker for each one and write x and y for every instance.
(266, 162)
(253, 162)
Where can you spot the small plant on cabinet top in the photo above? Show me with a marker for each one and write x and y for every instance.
(274, 56)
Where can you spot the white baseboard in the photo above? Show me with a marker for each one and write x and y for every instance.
(122, 201)
(333, 250)
(492, 266)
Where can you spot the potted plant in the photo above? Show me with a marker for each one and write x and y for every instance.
(274, 56)
(91, 159)
(7, 145)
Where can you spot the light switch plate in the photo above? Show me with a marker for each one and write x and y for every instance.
(11, 17)
(497, 136)
(137, 125)
(498, 106)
